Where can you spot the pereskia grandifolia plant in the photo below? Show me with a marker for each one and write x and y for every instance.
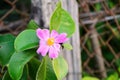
(20, 54)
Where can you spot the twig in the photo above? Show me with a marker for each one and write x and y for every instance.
(101, 20)
(96, 49)
(93, 14)
(12, 25)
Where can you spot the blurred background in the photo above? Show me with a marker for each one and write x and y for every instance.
(99, 30)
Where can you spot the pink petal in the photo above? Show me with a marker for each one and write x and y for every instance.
(43, 49)
(54, 34)
(46, 33)
(42, 42)
(42, 34)
(61, 38)
(53, 53)
(57, 47)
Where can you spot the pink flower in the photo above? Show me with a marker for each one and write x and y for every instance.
(50, 42)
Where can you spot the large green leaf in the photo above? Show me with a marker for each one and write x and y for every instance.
(17, 63)
(33, 66)
(6, 48)
(32, 25)
(62, 21)
(24, 76)
(45, 71)
(26, 40)
(60, 67)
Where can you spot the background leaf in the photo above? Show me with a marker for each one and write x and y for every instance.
(6, 48)
(6, 76)
(60, 67)
(90, 78)
(61, 21)
(26, 40)
(32, 25)
(17, 63)
(67, 46)
(25, 73)
(113, 76)
(45, 71)
(117, 62)
(33, 66)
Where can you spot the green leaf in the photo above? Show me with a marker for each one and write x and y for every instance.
(6, 48)
(117, 62)
(90, 78)
(111, 4)
(61, 21)
(26, 40)
(24, 76)
(6, 38)
(98, 6)
(114, 76)
(6, 76)
(45, 71)
(32, 25)
(17, 63)
(25, 73)
(67, 46)
(33, 66)
(119, 69)
(60, 67)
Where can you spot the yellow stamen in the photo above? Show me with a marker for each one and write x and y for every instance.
(50, 41)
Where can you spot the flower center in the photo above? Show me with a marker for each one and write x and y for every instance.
(50, 41)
